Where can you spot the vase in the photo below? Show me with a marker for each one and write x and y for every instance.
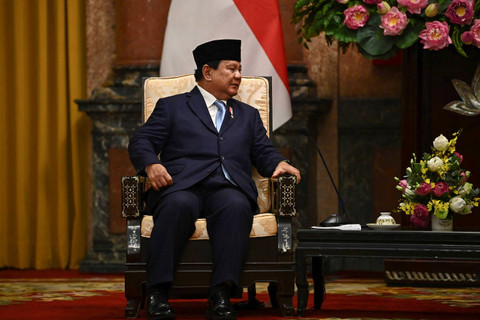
(442, 224)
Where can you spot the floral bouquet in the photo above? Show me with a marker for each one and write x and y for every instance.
(381, 28)
(437, 185)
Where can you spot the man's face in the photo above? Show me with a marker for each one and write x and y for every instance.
(225, 80)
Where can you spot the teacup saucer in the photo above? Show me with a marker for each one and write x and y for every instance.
(382, 226)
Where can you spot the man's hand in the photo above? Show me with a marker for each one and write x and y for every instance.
(158, 176)
(283, 167)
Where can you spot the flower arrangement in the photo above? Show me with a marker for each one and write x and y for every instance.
(380, 28)
(437, 185)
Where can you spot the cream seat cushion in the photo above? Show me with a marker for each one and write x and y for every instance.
(264, 225)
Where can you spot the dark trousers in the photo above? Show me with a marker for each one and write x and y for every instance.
(229, 221)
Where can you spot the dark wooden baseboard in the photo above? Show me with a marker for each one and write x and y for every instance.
(401, 272)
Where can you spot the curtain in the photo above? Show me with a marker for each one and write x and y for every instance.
(43, 137)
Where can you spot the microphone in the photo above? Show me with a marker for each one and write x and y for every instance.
(334, 219)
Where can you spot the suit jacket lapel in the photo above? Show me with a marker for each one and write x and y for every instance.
(231, 115)
(197, 105)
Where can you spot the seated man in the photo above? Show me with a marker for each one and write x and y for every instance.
(208, 144)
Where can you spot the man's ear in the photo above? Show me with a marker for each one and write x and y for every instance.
(207, 72)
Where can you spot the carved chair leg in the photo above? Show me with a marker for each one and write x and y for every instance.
(252, 293)
(284, 297)
(133, 307)
(135, 300)
(252, 303)
(272, 292)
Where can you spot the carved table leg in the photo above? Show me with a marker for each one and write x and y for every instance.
(318, 282)
(302, 283)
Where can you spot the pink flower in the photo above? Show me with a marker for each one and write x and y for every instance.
(372, 1)
(394, 22)
(432, 10)
(464, 177)
(440, 189)
(403, 184)
(413, 6)
(356, 17)
(460, 11)
(423, 189)
(420, 216)
(383, 7)
(459, 156)
(467, 37)
(435, 36)
(475, 29)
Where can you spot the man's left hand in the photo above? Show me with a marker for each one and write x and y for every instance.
(283, 168)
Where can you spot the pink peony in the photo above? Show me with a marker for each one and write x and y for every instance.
(413, 6)
(459, 156)
(475, 29)
(435, 36)
(420, 216)
(467, 37)
(394, 22)
(423, 189)
(440, 189)
(403, 184)
(383, 7)
(372, 1)
(460, 11)
(463, 177)
(356, 17)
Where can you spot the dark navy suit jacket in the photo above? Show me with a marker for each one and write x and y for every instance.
(181, 130)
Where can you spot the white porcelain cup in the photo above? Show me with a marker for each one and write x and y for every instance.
(385, 218)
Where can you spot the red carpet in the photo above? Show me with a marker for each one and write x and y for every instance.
(69, 295)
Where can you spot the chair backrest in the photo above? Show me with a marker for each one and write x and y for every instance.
(254, 91)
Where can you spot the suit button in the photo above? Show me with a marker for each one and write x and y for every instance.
(220, 138)
(222, 157)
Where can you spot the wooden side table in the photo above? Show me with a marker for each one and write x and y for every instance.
(370, 243)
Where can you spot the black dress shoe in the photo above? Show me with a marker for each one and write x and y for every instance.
(219, 307)
(158, 307)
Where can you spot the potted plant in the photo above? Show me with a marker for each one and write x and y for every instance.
(436, 187)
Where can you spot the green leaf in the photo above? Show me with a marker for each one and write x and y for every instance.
(385, 56)
(344, 34)
(371, 39)
(409, 36)
(457, 41)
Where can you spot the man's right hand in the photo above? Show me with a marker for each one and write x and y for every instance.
(158, 176)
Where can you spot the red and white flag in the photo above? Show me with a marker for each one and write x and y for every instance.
(256, 23)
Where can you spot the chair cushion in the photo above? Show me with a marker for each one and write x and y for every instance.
(264, 225)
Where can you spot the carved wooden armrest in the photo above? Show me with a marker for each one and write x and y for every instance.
(133, 191)
(283, 205)
(283, 195)
(133, 205)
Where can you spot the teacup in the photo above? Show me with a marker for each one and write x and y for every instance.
(385, 218)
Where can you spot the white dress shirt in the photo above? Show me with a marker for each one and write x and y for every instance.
(209, 101)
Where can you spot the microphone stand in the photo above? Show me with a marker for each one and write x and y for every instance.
(334, 219)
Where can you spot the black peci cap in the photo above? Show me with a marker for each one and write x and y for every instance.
(226, 49)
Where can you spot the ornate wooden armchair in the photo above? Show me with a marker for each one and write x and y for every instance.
(270, 257)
